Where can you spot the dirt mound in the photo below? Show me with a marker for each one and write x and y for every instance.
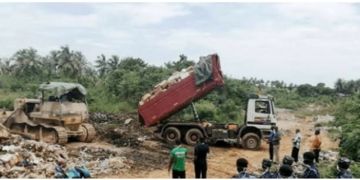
(120, 129)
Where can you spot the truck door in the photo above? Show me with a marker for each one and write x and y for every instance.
(259, 113)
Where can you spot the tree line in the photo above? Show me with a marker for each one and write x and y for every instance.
(125, 80)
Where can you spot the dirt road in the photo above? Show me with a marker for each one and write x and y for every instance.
(151, 159)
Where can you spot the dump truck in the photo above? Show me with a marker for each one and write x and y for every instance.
(57, 115)
(207, 77)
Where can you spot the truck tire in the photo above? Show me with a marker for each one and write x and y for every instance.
(192, 136)
(172, 134)
(251, 141)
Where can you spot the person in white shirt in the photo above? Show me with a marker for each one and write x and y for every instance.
(296, 145)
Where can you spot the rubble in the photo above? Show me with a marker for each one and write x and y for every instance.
(329, 156)
(22, 158)
(122, 130)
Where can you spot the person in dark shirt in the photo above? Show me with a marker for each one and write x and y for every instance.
(286, 172)
(200, 163)
(241, 165)
(311, 170)
(286, 163)
(266, 165)
(343, 166)
(276, 144)
(270, 142)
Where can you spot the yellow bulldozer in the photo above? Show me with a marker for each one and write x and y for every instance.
(51, 118)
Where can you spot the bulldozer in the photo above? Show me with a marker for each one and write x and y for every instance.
(51, 118)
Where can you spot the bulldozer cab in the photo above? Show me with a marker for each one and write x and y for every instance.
(59, 99)
(57, 114)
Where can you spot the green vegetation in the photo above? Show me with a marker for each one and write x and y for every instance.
(116, 85)
(329, 171)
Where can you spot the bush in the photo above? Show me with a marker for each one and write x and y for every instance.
(7, 104)
(206, 110)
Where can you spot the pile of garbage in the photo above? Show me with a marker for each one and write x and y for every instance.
(122, 130)
(22, 158)
(165, 84)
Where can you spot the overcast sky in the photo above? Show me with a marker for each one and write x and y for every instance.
(299, 43)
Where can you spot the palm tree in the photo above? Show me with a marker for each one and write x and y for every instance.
(6, 66)
(66, 61)
(114, 62)
(340, 86)
(27, 62)
(80, 63)
(102, 65)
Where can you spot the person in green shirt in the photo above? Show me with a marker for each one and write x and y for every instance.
(177, 161)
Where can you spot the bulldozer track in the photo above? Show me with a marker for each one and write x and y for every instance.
(91, 133)
(60, 136)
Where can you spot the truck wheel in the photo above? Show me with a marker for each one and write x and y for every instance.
(192, 136)
(171, 134)
(251, 141)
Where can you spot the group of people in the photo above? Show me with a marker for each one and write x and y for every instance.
(284, 169)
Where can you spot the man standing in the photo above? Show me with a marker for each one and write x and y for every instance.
(177, 161)
(200, 153)
(276, 144)
(316, 145)
(270, 141)
(296, 145)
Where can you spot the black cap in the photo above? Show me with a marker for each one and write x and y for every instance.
(241, 162)
(285, 170)
(310, 156)
(266, 163)
(344, 163)
(288, 160)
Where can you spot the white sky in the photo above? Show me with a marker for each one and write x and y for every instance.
(294, 42)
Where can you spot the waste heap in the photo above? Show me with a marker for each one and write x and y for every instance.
(122, 130)
(165, 84)
(22, 158)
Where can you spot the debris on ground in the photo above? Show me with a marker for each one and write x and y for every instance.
(122, 130)
(36, 159)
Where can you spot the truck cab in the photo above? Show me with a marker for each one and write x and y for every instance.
(259, 117)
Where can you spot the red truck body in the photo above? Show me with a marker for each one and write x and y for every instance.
(179, 96)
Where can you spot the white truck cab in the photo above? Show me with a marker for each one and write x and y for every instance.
(260, 116)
